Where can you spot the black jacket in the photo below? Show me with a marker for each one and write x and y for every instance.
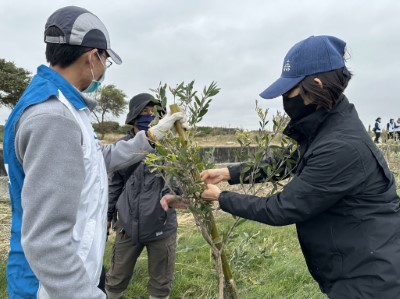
(377, 127)
(136, 192)
(343, 200)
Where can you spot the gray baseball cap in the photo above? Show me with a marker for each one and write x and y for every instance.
(80, 28)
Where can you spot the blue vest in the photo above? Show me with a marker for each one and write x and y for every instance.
(22, 282)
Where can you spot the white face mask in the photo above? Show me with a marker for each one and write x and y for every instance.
(95, 84)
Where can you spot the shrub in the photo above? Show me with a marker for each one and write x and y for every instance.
(106, 127)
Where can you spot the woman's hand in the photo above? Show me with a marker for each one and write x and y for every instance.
(172, 201)
(214, 176)
(211, 193)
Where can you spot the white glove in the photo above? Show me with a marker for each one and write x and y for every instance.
(167, 123)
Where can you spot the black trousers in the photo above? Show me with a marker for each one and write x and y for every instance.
(377, 135)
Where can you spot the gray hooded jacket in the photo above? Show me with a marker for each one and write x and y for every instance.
(136, 192)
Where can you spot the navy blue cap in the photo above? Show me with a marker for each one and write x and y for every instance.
(316, 54)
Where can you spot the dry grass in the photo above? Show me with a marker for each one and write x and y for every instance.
(5, 229)
(217, 140)
(393, 160)
(111, 138)
(5, 219)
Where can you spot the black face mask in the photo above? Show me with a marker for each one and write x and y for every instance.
(295, 107)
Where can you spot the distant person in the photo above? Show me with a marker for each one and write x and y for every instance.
(377, 130)
(342, 196)
(135, 193)
(391, 128)
(397, 128)
(57, 167)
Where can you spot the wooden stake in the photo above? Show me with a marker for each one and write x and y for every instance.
(178, 126)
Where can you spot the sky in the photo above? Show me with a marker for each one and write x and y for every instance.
(238, 44)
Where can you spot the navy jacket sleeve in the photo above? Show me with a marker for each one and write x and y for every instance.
(331, 172)
(282, 164)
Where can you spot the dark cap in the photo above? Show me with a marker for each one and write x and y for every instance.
(80, 28)
(316, 54)
(137, 104)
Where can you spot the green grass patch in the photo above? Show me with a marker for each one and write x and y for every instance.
(267, 263)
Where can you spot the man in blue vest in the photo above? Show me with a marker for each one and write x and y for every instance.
(58, 169)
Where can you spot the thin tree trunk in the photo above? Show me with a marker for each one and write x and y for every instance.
(212, 228)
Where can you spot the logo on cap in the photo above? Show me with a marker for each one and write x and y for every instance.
(286, 66)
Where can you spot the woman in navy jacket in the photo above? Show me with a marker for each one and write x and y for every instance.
(342, 196)
(377, 129)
